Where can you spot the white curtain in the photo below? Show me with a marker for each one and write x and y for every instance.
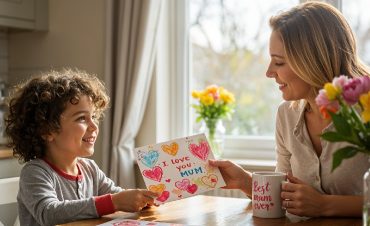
(131, 45)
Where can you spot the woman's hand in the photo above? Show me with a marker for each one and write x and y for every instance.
(235, 177)
(301, 199)
(133, 200)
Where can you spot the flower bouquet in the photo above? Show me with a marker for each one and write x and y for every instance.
(215, 103)
(347, 102)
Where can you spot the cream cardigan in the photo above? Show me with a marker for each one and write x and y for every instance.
(295, 153)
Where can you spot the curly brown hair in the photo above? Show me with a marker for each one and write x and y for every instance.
(36, 106)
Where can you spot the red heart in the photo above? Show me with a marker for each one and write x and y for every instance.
(192, 188)
(164, 196)
(168, 180)
(200, 151)
(154, 174)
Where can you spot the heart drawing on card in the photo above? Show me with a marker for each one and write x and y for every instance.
(150, 158)
(154, 174)
(200, 151)
(182, 185)
(192, 188)
(159, 188)
(164, 196)
(170, 149)
(210, 180)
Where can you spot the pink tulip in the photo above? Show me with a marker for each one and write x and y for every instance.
(340, 81)
(352, 91)
(325, 105)
(365, 83)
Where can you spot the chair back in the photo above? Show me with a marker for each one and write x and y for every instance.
(8, 194)
(9, 190)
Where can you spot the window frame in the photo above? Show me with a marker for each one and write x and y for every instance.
(236, 147)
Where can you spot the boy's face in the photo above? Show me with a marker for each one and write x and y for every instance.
(79, 130)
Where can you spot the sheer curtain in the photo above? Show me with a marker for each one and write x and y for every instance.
(131, 45)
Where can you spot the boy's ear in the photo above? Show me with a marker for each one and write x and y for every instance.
(47, 137)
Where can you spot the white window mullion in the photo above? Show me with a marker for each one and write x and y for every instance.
(179, 64)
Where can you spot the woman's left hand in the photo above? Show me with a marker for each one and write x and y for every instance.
(300, 198)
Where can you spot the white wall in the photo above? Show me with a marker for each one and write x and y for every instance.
(76, 38)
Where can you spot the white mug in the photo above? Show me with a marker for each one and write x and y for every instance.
(266, 194)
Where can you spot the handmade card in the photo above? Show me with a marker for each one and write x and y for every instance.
(178, 168)
(128, 222)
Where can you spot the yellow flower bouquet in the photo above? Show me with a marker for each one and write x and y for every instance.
(215, 103)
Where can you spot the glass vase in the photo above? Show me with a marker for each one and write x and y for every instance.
(366, 205)
(215, 132)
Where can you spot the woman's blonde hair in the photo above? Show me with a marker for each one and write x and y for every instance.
(319, 43)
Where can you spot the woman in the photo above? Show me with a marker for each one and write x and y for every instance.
(309, 45)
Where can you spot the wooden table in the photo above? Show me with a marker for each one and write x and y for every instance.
(213, 211)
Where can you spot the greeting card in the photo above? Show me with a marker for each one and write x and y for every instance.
(178, 168)
(128, 222)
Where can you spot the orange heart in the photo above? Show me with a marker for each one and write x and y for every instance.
(210, 180)
(171, 149)
(159, 188)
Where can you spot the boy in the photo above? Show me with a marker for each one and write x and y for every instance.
(52, 126)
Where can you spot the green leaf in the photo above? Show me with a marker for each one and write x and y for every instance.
(341, 154)
(332, 136)
(340, 123)
(336, 137)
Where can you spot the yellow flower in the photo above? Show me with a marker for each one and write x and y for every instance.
(366, 115)
(365, 102)
(331, 91)
(227, 97)
(195, 94)
(206, 99)
(212, 89)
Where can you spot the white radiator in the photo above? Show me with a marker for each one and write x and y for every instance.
(234, 193)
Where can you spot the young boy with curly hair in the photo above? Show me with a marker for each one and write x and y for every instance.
(53, 125)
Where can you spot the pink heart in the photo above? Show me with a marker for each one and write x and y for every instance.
(182, 185)
(164, 196)
(200, 151)
(192, 188)
(154, 174)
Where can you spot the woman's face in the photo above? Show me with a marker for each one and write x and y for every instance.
(291, 86)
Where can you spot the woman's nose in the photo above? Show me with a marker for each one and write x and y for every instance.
(270, 73)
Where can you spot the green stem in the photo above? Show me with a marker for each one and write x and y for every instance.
(211, 125)
(351, 113)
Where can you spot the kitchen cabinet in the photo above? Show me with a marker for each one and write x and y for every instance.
(24, 14)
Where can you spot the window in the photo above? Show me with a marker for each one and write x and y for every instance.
(226, 43)
(358, 18)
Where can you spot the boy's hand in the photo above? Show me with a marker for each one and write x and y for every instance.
(133, 200)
